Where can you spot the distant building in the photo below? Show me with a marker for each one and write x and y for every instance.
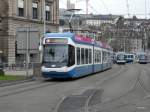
(64, 16)
(136, 35)
(70, 5)
(87, 20)
(98, 20)
(20, 19)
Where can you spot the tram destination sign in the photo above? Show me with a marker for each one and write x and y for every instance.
(56, 41)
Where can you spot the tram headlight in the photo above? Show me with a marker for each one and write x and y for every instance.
(43, 67)
(64, 68)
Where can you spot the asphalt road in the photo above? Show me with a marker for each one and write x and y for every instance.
(121, 89)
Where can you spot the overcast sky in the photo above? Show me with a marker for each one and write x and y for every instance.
(136, 7)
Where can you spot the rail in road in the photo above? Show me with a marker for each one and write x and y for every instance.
(17, 90)
(30, 86)
(92, 97)
(81, 103)
(89, 97)
(136, 99)
(25, 87)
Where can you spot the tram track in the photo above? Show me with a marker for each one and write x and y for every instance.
(145, 79)
(24, 88)
(87, 106)
(61, 106)
(27, 87)
(139, 82)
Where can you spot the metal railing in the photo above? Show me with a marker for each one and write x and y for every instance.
(20, 69)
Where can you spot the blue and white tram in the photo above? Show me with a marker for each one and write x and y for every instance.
(66, 55)
(129, 58)
(120, 58)
(142, 57)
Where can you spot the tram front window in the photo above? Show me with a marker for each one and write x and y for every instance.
(142, 57)
(120, 57)
(56, 56)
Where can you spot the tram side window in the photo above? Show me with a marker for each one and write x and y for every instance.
(110, 57)
(78, 56)
(71, 60)
(104, 56)
(95, 56)
(90, 56)
(82, 55)
(99, 56)
(86, 56)
(107, 56)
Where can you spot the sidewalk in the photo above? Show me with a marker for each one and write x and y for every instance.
(18, 72)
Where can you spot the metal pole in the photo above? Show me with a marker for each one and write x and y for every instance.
(27, 43)
(124, 45)
(44, 16)
(145, 41)
(44, 29)
(27, 53)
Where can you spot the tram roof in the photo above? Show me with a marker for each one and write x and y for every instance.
(67, 34)
(80, 39)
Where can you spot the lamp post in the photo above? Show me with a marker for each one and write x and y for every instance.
(44, 16)
(27, 52)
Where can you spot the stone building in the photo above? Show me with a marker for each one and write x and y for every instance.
(22, 21)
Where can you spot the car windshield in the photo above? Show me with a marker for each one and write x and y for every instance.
(55, 54)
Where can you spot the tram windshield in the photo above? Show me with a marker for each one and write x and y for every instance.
(58, 55)
(120, 57)
(142, 56)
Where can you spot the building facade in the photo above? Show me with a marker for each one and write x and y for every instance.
(22, 26)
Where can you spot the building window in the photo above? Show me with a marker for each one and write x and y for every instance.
(47, 13)
(35, 10)
(21, 8)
